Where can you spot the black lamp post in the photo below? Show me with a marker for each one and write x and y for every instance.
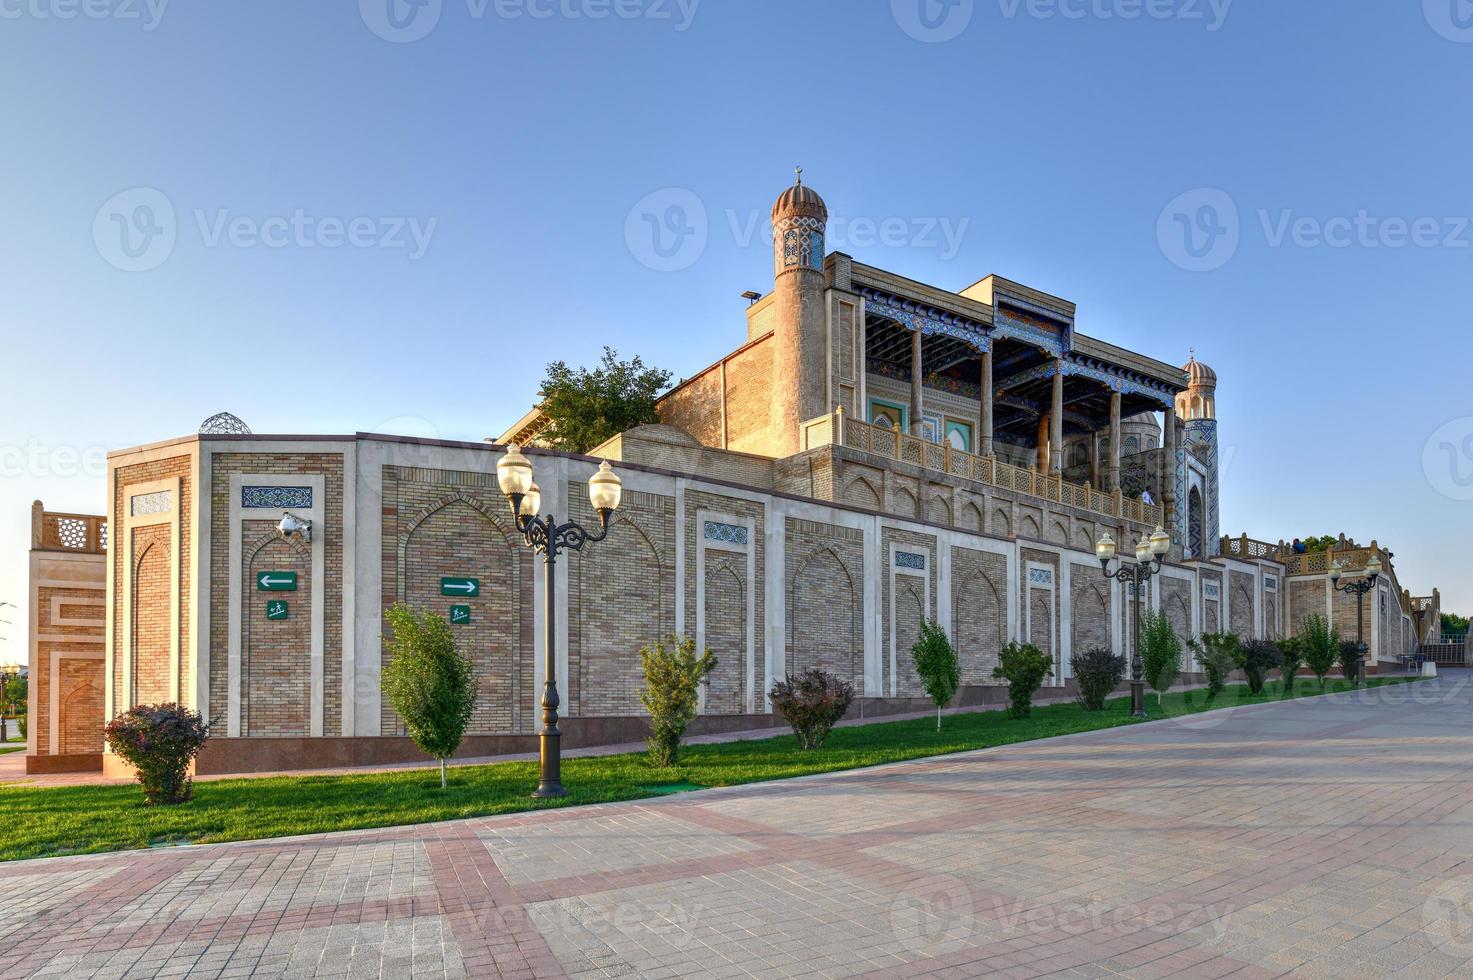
(1148, 555)
(547, 537)
(1358, 589)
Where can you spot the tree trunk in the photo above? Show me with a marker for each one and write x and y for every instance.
(938, 717)
(442, 773)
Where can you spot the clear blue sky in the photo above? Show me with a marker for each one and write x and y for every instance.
(519, 144)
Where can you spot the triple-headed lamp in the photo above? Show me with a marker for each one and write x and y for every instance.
(514, 474)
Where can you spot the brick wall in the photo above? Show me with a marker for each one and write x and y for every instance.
(1176, 604)
(1090, 612)
(276, 655)
(979, 590)
(728, 607)
(824, 576)
(79, 705)
(911, 600)
(1240, 606)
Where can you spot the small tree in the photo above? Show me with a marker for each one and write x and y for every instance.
(587, 407)
(1291, 658)
(936, 664)
(1352, 659)
(1257, 658)
(1218, 654)
(672, 685)
(13, 704)
(1024, 667)
(159, 741)
(1098, 672)
(1160, 653)
(428, 682)
(1321, 645)
(812, 702)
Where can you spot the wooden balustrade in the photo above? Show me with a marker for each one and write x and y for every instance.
(86, 533)
(840, 430)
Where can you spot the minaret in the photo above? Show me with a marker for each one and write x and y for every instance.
(1197, 409)
(799, 218)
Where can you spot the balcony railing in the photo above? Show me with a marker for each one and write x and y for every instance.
(838, 429)
(84, 533)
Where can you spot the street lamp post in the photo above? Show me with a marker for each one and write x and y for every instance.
(1148, 555)
(1358, 589)
(547, 537)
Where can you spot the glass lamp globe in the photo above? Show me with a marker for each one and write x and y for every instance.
(1373, 567)
(1335, 572)
(532, 501)
(1105, 548)
(1143, 549)
(1160, 542)
(514, 471)
(605, 489)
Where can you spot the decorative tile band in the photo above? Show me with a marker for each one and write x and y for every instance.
(910, 559)
(276, 497)
(1270, 581)
(1211, 590)
(158, 502)
(1040, 576)
(728, 533)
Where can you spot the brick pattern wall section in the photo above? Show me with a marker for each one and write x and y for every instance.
(1176, 603)
(276, 655)
(824, 576)
(697, 406)
(979, 591)
(119, 554)
(728, 607)
(622, 600)
(153, 598)
(1039, 623)
(79, 683)
(75, 725)
(1090, 608)
(907, 607)
(1240, 606)
(330, 467)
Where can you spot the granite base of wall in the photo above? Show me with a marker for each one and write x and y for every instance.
(81, 762)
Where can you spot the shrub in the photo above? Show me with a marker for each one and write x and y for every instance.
(1257, 658)
(1098, 672)
(812, 702)
(428, 682)
(21, 721)
(1291, 658)
(1352, 662)
(936, 664)
(160, 741)
(1024, 667)
(1321, 645)
(1218, 654)
(672, 684)
(1160, 653)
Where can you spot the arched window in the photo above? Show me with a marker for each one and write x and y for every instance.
(1132, 446)
(1196, 543)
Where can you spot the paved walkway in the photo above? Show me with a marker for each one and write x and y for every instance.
(1327, 837)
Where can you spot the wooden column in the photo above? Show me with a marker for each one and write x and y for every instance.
(1094, 460)
(1168, 466)
(1112, 476)
(984, 433)
(1044, 425)
(917, 409)
(1056, 422)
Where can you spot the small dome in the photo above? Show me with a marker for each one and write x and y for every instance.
(1200, 375)
(223, 424)
(800, 200)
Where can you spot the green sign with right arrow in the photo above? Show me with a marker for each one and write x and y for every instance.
(276, 581)
(465, 587)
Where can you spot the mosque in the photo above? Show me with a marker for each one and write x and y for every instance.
(875, 452)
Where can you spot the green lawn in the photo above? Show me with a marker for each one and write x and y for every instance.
(6, 747)
(80, 819)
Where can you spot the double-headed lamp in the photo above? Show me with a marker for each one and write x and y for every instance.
(1373, 567)
(1105, 548)
(514, 472)
(1160, 542)
(605, 489)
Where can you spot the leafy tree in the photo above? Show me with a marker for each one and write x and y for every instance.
(1160, 653)
(1257, 658)
(429, 682)
(1454, 625)
(1097, 672)
(1321, 645)
(672, 684)
(936, 664)
(1322, 543)
(1291, 658)
(1218, 654)
(585, 407)
(159, 741)
(1352, 659)
(13, 704)
(1024, 667)
(812, 702)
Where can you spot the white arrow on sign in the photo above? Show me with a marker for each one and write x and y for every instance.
(268, 581)
(466, 587)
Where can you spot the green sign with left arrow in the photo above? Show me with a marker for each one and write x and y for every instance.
(465, 587)
(276, 581)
